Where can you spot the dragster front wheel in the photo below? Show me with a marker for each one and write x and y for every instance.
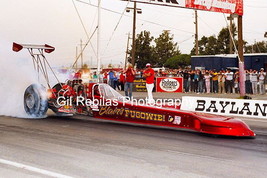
(35, 101)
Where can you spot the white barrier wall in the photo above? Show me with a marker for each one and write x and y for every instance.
(225, 106)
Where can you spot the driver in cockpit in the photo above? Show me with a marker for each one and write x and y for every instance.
(96, 91)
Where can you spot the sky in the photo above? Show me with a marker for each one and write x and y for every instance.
(57, 23)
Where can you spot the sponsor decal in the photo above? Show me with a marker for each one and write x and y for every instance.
(169, 84)
(133, 114)
(225, 106)
(94, 107)
(165, 84)
(177, 120)
(170, 119)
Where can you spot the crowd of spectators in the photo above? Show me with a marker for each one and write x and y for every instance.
(224, 81)
(201, 81)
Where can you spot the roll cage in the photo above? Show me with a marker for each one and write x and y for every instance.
(105, 91)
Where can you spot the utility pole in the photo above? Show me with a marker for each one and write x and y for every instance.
(139, 11)
(134, 28)
(230, 18)
(76, 58)
(126, 53)
(98, 40)
(196, 35)
(81, 46)
(241, 56)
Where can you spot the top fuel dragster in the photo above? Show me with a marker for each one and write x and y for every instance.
(101, 101)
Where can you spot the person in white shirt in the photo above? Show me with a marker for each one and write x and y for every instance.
(262, 76)
(207, 77)
(221, 82)
(254, 81)
(229, 77)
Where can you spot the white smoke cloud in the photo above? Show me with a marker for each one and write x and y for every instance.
(16, 74)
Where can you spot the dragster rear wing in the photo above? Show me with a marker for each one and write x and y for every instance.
(17, 47)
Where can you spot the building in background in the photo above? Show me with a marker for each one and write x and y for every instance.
(221, 62)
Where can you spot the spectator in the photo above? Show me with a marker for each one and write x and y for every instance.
(214, 81)
(95, 75)
(101, 77)
(116, 78)
(149, 74)
(186, 81)
(129, 75)
(254, 82)
(262, 76)
(78, 75)
(111, 78)
(196, 80)
(105, 77)
(221, 82)
(201, 82)
(248, 84)
(192, 81)
(236, 82)
(121, 81)
(161, 73)
(207, 77)
(229, 76)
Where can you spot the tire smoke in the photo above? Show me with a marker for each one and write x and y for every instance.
(17, 74)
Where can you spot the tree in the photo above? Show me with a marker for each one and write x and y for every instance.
(110, 65)
(224, 39)
(257, 47)
(207, 46)
(143, 51)
(181, 60)
(216, 45)
(164, 48)
(85, 66)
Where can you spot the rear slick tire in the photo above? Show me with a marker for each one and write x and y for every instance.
(35, 101)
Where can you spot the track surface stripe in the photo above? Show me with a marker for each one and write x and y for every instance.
(33, 169)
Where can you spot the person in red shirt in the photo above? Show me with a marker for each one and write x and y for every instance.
(78, 75)
(105, 77)
(149, 74)
(130, 76)
(121, 81)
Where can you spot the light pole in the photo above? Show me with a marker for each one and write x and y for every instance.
(139, 11)
(126, 53)
(196, 34)
(241, 57)
(231, 18)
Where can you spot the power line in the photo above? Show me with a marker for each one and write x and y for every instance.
(207, 25)
(154, 23)
(83, 26)
(89, 39)
(116, 27)
(186, 39)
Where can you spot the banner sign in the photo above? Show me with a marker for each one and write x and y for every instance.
(139, 85)
(225, 106)
(222, 6)
(169, 84)
(173, 3)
